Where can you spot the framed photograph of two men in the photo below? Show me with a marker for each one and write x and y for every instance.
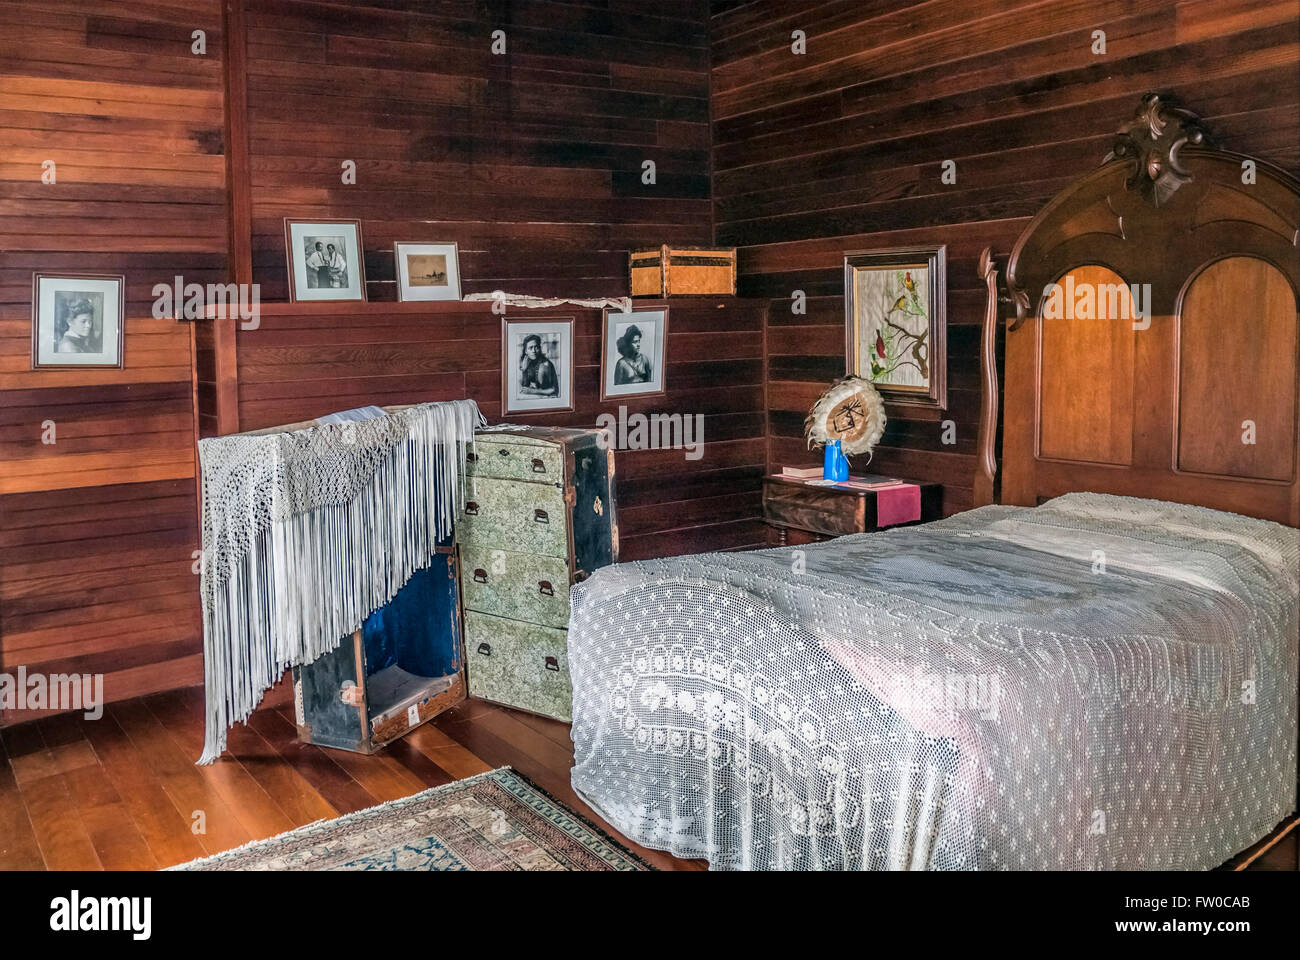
(326, 260)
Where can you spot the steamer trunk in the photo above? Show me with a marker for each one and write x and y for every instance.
(538, 518)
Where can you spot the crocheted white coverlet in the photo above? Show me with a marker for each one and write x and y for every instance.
(1097, 683)
(308, 532)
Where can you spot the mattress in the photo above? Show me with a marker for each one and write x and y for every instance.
(1096, 683)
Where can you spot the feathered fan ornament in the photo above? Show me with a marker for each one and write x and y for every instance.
(851, 412)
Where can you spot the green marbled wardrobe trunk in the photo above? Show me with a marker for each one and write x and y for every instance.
(538, 517)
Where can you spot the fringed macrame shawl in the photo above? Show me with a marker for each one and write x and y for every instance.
(308, 532)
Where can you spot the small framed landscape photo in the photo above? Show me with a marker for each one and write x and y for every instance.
(427, 271)
(536, 365)
(77, 321)
(326, 260)
(633, 347)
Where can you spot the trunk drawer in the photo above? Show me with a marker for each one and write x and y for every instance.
(521, 586)
(523, 665)
(504, 460)
(524, 517)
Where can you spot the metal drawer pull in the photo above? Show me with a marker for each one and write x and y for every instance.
(544, 587)
(471, 457)
(480, 575)
(471, 508)
(485, 649)
(504, 453)
(552, 664)
(541, 516)
(539, 466)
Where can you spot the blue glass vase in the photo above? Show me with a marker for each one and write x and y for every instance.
(835, 466)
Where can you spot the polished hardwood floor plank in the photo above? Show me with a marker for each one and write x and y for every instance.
(18, 847)
(383, 777)
(181, 713)
(419, 763)
(165, 830)
(55, 820)
(288, 788)
(113, 833)
(117, 841)
(446, 752)
(314, 764)
(190, 791)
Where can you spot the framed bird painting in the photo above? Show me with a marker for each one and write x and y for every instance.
(895, 305)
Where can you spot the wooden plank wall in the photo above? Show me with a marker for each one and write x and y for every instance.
(841, 148)
(97, 529)
(530, 161)
(308, 360)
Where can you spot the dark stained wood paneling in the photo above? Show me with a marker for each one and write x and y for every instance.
(841, 149)
(97, 529)
(100, 580)
(530, 161)
(307, 360)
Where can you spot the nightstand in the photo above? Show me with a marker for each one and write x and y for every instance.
(799, 512)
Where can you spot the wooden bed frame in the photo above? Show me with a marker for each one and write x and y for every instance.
(1162, 406)
(1165, 406)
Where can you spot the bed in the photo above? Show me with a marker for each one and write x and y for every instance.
(1097, 669)
(1101, 682)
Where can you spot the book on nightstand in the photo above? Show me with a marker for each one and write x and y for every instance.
(802, 473)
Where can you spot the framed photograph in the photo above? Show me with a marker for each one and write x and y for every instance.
(632, 353)
(326, 260)
(896, 305)
(77, 321)
(536, 365)
(427, 271)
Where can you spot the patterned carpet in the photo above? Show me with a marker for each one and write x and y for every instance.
(494, 821)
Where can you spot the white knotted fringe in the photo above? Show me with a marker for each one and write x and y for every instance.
(308, 532)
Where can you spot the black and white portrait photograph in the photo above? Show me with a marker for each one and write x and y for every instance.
(77, 321)
(537, 365)
(632, 353)
(427, 271)
(326, 260)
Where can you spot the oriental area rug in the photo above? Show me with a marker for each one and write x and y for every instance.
(493, 821)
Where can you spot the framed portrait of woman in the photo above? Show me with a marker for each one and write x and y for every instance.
(633, 349)
(536, 365)
(77, 321)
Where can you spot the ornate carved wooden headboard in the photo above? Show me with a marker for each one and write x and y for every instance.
(1187, 387)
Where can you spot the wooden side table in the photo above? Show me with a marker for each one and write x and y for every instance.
(797, 512)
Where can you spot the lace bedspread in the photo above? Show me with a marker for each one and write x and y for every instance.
(1097, 683)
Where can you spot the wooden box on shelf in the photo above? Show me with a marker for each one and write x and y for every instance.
(669, 271)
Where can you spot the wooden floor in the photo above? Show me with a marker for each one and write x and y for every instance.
(123, 792)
